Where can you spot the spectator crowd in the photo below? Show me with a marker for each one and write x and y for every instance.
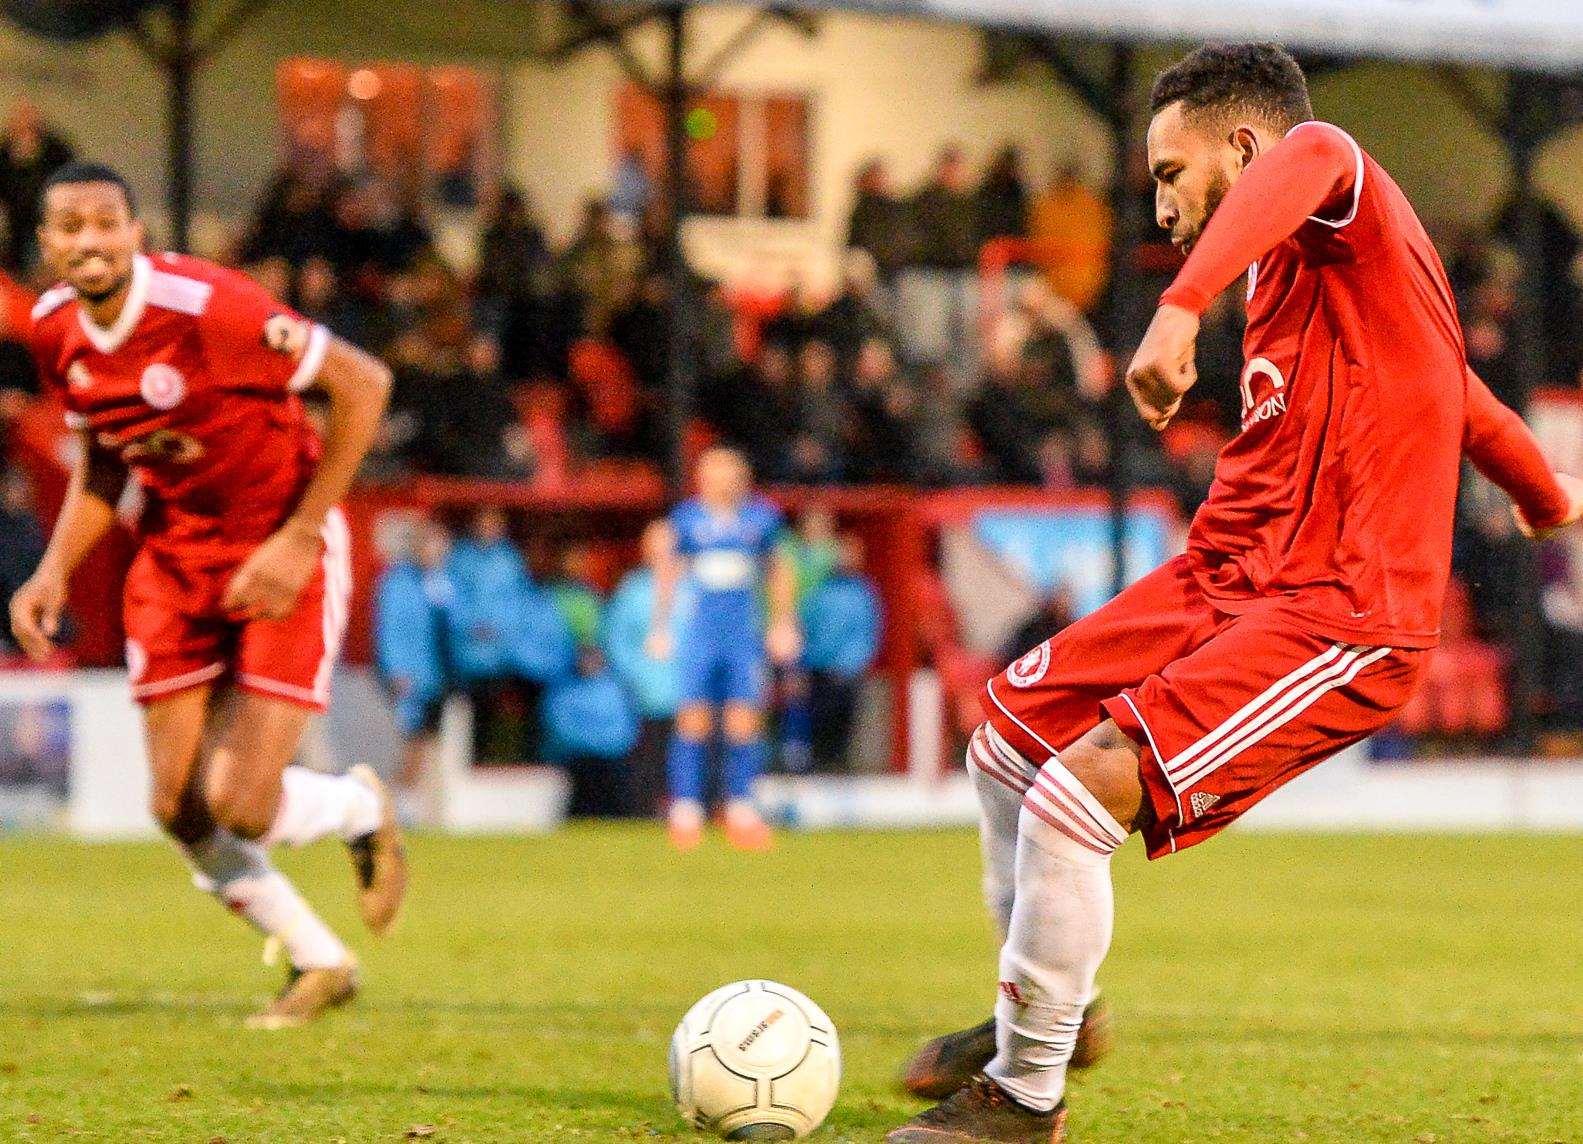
(925, 365)
(560, 672)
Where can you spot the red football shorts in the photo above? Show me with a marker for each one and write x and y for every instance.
(1227, 708)
(177, 635)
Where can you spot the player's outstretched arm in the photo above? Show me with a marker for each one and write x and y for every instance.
(271, 579)
(97, 480)
(1505, 450)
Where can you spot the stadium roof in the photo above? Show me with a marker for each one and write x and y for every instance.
(1539, 34)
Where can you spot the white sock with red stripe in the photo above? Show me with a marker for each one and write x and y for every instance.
(313, 805)
(238, 873)
(1001, 777)
(1060, 932)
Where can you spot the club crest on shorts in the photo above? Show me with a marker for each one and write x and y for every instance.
(162, 386)
(1028, 670)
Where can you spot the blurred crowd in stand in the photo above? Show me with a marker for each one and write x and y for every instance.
(973, 338)
(563, 671)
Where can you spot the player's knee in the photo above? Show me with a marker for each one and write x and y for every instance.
(167, 809)
(1106, 763)
(695, 722)
(234, 807)
(743, 724)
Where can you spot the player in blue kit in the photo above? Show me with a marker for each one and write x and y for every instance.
(726, 538)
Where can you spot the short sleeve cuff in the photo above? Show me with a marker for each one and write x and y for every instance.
(312, 359)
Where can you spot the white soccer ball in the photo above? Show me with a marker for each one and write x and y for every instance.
(755, 1061)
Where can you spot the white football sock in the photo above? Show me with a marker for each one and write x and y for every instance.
(275, 908)
(313, 805)
(1001, 777)
(1060, 932)
(238, 873)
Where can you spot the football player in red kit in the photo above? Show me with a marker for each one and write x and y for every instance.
(184, 379)
(1298, 620)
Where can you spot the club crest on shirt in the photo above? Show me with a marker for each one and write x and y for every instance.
(1028, 670)
(162, 386)
(286, 335)
(78, 377)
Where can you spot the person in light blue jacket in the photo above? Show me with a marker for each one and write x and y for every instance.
(842, 623)
(590, 728)
(505, 633)
(411, 600)
(652, 683)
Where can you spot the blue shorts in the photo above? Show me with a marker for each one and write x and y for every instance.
(716, 668)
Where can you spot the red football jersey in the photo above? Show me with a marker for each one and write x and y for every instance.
(196, 387)
(1336, 499)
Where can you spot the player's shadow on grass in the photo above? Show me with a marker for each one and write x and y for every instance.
(130, 1005)
(569, 1097)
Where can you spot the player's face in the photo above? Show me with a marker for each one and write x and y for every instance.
(89, 237)
(1194, 164)
(722, 478)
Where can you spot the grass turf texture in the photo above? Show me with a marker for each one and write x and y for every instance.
(1267, 988)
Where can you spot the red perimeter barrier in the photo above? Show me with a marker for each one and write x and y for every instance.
(607, 510)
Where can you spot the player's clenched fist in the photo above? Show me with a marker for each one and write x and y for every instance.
(269, 581)
(35, 613)
(1163, 370)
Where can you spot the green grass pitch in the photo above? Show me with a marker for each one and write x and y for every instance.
(1267, 988)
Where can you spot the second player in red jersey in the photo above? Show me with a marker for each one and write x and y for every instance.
(182, 380)
(195, 390)
(1297, 621)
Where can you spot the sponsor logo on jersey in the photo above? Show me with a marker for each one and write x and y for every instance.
(1256, 409)
(162, 386)
(1028, 670)
(163, 446)
(286, 335)
(1202, 802)
(77, 376)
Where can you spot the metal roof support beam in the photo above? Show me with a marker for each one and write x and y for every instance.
(179, 54)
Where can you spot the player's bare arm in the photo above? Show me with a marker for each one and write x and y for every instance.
(97, 480)
(783, 640)
(270, 580)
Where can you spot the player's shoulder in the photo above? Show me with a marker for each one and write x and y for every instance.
(1343, 149)
(764, 510)
(195, 286)
(52, 309)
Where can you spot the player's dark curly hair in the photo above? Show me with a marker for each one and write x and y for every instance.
(1255, 79)
(78, 171)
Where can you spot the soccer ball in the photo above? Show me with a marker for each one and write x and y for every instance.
(755, 1061)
